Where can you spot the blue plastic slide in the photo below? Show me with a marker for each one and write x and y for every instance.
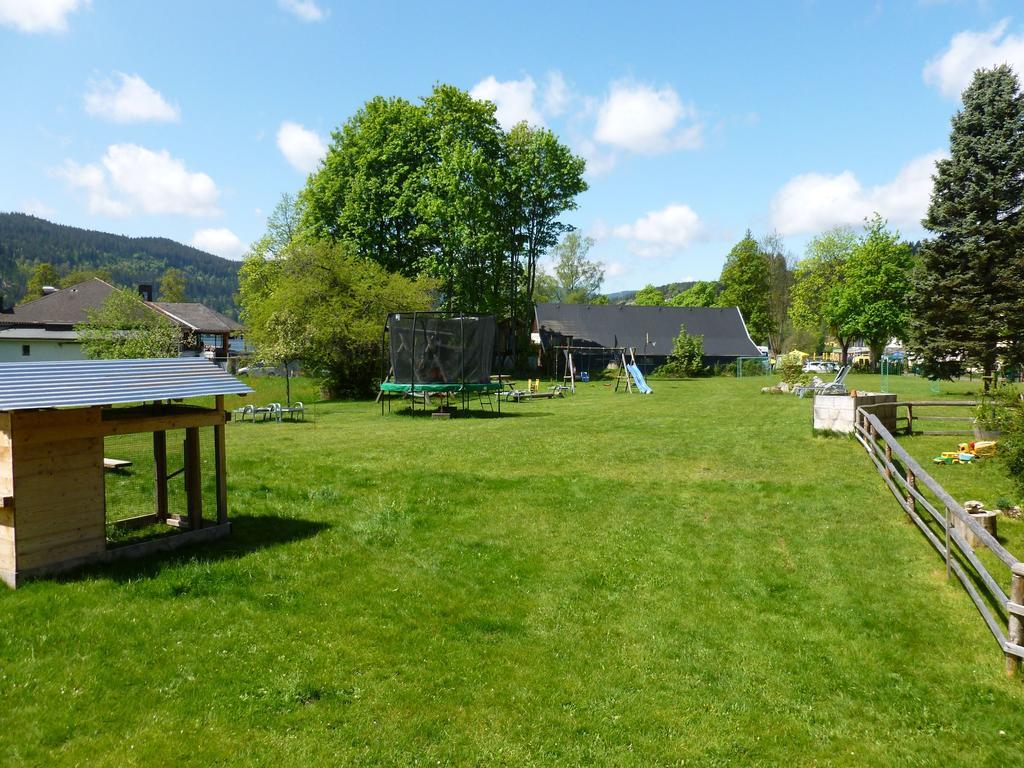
(638, 379)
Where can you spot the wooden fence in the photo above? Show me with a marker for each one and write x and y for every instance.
(941, 519)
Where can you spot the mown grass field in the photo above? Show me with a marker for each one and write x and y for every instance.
(690, 578)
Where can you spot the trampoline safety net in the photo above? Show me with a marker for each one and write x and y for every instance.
(427, 349)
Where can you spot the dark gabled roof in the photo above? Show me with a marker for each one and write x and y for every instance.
(649, 330)
(197, 317)
(107, 382)
(64, 307)
(69, 306)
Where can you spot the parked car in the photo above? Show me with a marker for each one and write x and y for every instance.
(261, 369)
(819, 366)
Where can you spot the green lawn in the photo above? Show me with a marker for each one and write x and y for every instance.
(686, 578)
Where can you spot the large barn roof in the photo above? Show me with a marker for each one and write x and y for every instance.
(649, 330)
(107, 382)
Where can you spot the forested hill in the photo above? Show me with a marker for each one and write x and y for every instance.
(26, 241)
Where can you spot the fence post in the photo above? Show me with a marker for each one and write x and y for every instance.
(911, 483)
(1015, 625)
(948, 553)
(910, 419)
(888, 457)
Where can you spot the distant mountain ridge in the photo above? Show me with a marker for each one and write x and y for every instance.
(26, 241)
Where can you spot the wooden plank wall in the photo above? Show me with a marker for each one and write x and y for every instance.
(58, 486)
(7, 562)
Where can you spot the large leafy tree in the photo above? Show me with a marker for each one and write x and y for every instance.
(817, 305)
(968, 298)
(43, 275)
(703, 293)
(648, 296)
(324, 304)
(745, 284)
(779, 287)
(124, 328)
(577, 278)
(873, 297)
(438, 189)
(173, 286)
(542, 179)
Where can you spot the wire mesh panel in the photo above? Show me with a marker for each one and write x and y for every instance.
(430, 349)
(130, 470)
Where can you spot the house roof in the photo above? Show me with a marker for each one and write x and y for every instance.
(197, 317)
(649, 330)
(106, 382)
(38, 334)
(69, 306)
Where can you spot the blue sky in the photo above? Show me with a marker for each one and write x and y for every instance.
(698, 120)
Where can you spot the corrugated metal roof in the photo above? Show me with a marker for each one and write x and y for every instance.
(107, 382)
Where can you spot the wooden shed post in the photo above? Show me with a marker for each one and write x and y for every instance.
(193, 479)
(220, 466)
(1015, 625)
(160, 474)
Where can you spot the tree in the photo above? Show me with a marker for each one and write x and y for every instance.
(780, 285)
(77, 276)
(687, 356)
(818, 284)
(703, 293)
(43, 275)
(577, 278)
(173, 286)
(648, 296)
(542, 180)
(124, 328)
(745, 284)
(438, 189)
(877, 282)
(322, 303)
(968, 298)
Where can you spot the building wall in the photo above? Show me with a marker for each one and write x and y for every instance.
(42, 350)
(6, 489)
(59, 509)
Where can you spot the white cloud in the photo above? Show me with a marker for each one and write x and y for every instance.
(513, 99)
(952, 70)
(640, 119)
(132, 100)
(301, 147)
(615, 269)
(38, 15)
(220, 241)
(38, 208)
(812, 202)
(556, 94)
(598, 161)
(673, 227)
(131, 178)
(305, 10)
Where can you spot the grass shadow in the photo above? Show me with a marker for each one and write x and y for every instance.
(249, 533)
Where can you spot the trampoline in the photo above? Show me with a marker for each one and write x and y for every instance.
(437, 356)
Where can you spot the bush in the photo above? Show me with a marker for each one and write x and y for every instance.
(791, 367)
(687, 357)
(1003, 411)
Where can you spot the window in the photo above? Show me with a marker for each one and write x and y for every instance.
(26, 350)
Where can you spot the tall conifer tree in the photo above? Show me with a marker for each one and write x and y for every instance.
(968, 299)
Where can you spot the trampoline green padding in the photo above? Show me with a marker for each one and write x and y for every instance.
(393, 386)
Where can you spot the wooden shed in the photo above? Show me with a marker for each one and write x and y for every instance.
(54, 420)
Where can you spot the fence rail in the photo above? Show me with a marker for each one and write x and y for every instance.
(909, 482)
